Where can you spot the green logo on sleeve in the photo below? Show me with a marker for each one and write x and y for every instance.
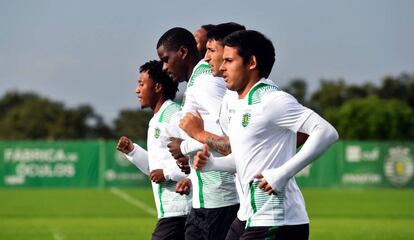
(246, 119)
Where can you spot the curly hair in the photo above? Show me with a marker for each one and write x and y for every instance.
(155, 72)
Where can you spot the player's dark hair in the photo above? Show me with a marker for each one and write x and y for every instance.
(220, 31)
(208, 27)
(252, 43)
(178, 37)
(155, 72)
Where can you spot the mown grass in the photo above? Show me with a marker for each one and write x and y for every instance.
(66, 214)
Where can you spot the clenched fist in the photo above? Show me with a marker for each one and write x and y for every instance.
(183, 186)
(125, 145)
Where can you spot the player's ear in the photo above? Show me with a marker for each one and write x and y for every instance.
(253, 62)
(183, 51)
(159, 87)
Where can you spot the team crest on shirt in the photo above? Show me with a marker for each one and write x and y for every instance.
(246, 119)
(157, 133)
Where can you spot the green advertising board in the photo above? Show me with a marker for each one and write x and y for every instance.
(52, 164)
(66, 164)
(99, 164)
(376, 164)
(360, 164)
(322, 172)
(118, 171)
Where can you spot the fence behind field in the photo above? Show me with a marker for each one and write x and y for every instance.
(98, 164)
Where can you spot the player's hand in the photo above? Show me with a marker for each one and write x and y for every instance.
(201, 158)
(157, 175)
(174, 147)
(183, 186)
(264, 185)
(192, 124)
(125, 145)
(183, 164)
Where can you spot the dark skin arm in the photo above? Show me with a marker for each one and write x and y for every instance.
(174, 147)
(183, 164)
(301, 138)
(125, 145)
(157, 176)
(181, 160)
(183, 186)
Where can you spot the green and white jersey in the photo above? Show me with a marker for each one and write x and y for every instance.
(228, 108)
(204, 94)
(262, 135)
(168, 202)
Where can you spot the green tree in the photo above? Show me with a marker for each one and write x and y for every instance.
(298, 88)
(29, 116)
(373, 118)
(331, 94)
(400, 87)
(132, 123)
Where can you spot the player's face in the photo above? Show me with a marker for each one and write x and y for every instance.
(145, 90)
(214, 56)
(173, 63)
(235, 72)
(200, 36)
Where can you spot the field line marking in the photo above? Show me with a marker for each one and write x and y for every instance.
(56, 234)
(125, 196)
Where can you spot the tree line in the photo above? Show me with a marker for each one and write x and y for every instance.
(359, 112)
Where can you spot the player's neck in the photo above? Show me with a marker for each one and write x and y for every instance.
(193, 61)
(252, 80)
(157, 105)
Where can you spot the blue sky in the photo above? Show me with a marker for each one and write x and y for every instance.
(88, 52)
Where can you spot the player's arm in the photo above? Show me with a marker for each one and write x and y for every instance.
(321, 136)
(301, 138)
(134, 153)
(169, 171)
(193, 126)
(204, 161)
(183, 186)
(172, 171)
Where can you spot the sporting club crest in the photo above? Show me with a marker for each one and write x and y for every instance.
(399, 166)
(246, 119)
(157, 133)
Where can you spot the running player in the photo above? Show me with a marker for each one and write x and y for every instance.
(262, 134)
(156, 90)
(215, 201)
(192, 124)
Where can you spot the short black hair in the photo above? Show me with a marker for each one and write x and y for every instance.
(252, 43)
(220, 31)
(208, 27)
(155, 72)
(176, 37)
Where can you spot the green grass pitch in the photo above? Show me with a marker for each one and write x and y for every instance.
(65, 214)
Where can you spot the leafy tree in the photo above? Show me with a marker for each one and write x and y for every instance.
(298, 88)
(400, 87)
(29, 116)
(355, 91)
(373, 118)
(132, 123)
(331, 94)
